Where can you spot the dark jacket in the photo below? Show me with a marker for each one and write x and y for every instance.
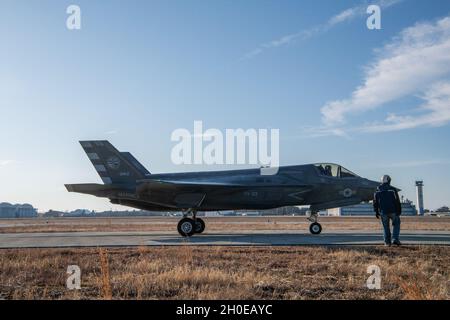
(386, 200)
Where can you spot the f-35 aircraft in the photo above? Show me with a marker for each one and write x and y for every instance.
(127, 182)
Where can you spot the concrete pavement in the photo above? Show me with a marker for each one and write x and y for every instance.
(257, 237)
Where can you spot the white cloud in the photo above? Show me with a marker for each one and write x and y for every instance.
(4, 163)
(324, 131)
(412, 164)
(284, 40)
(416, 58)
(343, 16)
(436, 112)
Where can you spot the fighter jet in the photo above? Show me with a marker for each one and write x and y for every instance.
(127, 182)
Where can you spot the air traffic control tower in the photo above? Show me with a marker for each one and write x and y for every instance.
(419, 189)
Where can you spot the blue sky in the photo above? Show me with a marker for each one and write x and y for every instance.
(375, 101)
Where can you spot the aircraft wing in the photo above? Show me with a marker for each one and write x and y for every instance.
(190, 194)
(183, 185)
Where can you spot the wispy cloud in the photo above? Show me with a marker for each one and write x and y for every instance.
(324, 131)
(417, 163)
(416, 62)
(343, 16)
(4, 163)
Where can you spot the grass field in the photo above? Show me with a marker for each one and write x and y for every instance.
(226, 273)
(192, 272)
(214, 224)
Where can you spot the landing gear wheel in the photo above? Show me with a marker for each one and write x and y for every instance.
(199, 225)
(186, 227)
(315, 228)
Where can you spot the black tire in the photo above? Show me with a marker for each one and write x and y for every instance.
(199, 225)
(315, 228)
(186, 227)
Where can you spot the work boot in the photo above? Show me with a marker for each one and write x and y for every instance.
(397, 242)
(387, 244)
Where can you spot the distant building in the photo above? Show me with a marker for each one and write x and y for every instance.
(78, 213)
(212, 214)
(282, 211)
(419, 190)
(85, 213)
(53, 214)
(8, 210)
(228, 213)
(366, 209)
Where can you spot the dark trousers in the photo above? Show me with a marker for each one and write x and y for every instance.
(385, 220)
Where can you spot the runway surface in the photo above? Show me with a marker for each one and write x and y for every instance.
(261, 238)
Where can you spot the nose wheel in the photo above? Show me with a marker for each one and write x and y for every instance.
(315, 227)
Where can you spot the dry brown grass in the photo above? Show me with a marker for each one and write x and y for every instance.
(189, 272)
(214, 224)
(104, 268)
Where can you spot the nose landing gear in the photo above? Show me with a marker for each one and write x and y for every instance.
(315, 227)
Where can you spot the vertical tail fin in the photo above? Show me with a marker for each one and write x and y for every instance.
(113, 166)
(135, 163)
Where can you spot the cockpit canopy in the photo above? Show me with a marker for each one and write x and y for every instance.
(334, 170)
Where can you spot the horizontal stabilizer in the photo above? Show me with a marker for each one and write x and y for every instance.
(91, 188)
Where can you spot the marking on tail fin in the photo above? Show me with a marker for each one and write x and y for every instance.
(100, 168)
(113, 166)
(113, 162)
(93, 156)
(135, 163)
(86, 144)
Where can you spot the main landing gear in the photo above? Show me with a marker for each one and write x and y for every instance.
(315, 227)
(187, 227)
